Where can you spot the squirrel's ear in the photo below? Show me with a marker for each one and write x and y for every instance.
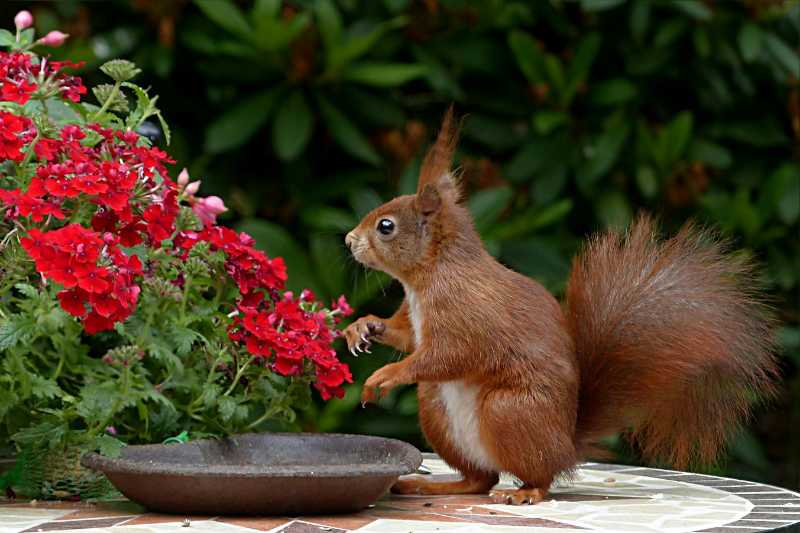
(428, 200)
(436, 167)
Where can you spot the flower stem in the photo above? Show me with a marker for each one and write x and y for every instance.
(239, 375)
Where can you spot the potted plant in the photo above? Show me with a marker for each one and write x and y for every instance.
(126, 313)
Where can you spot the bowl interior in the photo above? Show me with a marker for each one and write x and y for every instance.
(279, 451)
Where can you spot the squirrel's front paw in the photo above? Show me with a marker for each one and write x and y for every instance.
(383, 380)
(362, 332)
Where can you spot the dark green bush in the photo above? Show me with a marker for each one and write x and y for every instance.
(304, 115)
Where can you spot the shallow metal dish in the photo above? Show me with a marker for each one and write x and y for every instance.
(268, 473)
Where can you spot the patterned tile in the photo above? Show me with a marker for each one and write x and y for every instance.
(598, 497)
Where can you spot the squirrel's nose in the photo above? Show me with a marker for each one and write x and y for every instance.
(349, 239)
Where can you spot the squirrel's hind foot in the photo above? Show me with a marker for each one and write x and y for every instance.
(419, 485)
(520, 496)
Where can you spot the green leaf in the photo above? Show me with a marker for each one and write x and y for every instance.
(226, 407)
(600, 5)
(604, 153)
(581, 64)
(364, 200)
(44, 388)
(640, 18)
(529, 58)
(236, 126)
(486, 205)
(694, 8)
(647, 181)
(384, 74)
(673, 140)
(669, 32)
(291, 129)
(329, 22)
(7, 38)
(711, 153)
(783, 54)
(346, 134)
(539, 259)
(750, 41)
(14, 330)
(789, 205)
(614, 210)
(266, 9)
(358, 45)
(109, 446)
(328, 218)
(277, 242)
(227, 15)
(545, 122)
(531, 220)
(613, 92)
(328, 255)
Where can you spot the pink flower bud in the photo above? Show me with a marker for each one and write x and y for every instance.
(183, 178)
(307, 296)
(192, 188)
(54, 38)
(23, 20)
(111, 430)
(208, 208)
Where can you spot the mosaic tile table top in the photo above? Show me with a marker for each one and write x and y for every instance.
(601, 498)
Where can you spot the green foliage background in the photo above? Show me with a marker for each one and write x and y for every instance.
(304, 115)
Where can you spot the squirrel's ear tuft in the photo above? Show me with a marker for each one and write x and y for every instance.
(428, 200)
(436, 167)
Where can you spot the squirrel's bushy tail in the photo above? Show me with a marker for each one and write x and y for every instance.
(673, 341)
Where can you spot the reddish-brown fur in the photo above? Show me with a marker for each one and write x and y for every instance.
(666, 340)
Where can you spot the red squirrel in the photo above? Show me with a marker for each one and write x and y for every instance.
(666, 341)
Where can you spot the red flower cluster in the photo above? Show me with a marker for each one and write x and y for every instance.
(98, 277)
(118, 183)
(13, 130)
(20, 74)
(271, 327)
(292, 335)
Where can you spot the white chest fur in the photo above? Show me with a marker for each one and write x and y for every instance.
(460, 401)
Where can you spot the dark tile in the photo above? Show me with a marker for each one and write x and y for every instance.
(307, 527)
(766, 524)
(755, 488)
(649, 472)
(602, 466)
(697, 479)
(731, 530)
(64, 525)
(776, 509)
(756, 514)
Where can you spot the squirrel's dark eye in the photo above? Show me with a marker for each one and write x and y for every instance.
(385, 226)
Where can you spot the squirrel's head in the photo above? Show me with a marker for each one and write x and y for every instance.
(405, 236)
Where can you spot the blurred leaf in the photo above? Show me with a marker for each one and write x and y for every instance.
(546, 121)
(647, 181)
(694, 8)
(538, 259)
(237, 125)
(777, 187)
(614, 210)
(530, 220)
(410, 176)
(746, 447)
(227, 15)
(600, 5)
(529, 58)
(356, 46)
(789, 206)
(329, 22)
(291, 129)
(702, 43)
(711, 153)
(613, 92)
(277, 242)
(603, 154)
(669, 32)
(764, 132)
(383, 74)
(675, 138)
(640, 18)
(750, 41)
(438, 75)
(7, 38)
(783, 54)
(581, 64)
(486, 205)
(266, 9)
(491, 131)
(346, 134)
(328, 218)
(330, 257)
(363, 201)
